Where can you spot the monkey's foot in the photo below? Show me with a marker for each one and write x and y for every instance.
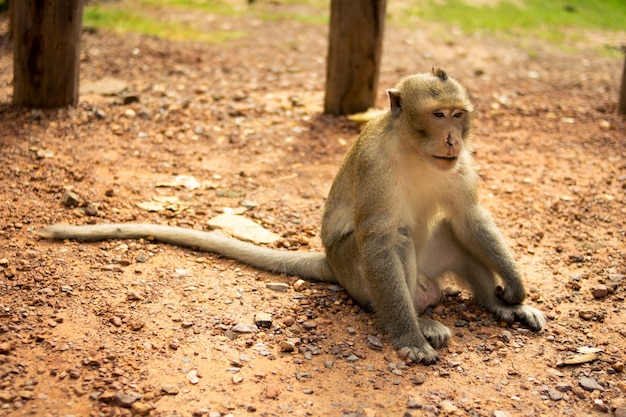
(512, 294)
(436, 333)
(530, 316)
(424, 354)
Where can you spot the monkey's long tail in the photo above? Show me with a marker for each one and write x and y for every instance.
(312, 265)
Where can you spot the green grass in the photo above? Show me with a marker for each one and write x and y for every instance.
(150, 17)
(555, 21)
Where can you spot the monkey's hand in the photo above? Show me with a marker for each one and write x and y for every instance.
(528, 315)
(424, 354)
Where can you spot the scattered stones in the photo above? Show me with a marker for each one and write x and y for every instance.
(590, 384)
(277, 286)
(141, 257)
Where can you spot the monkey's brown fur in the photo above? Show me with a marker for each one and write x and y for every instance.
(402, 210)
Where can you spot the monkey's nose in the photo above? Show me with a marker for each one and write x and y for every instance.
(449, 141)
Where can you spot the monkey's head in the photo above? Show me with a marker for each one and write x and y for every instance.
(432, 112)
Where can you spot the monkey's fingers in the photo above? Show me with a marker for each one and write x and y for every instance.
(426, 354)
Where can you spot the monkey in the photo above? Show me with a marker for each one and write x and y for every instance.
(402, 211)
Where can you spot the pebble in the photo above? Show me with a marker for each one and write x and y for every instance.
(286, 346)
(590, 384)
(413, 404)
(555, 395)
(91, 210)
(192, 376)
(134, 295)
(419, 378)
(500, 413)
(272, 392)
(599, 405)
(6, 348)
(277, 286)
(141, 408)
(245, 328)
(170, 389)
(374, 343)
(300, 285)
(70, 199)
(599, 291)
(263, 320)
(126, 399)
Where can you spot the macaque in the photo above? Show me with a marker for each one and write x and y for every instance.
(402, 211)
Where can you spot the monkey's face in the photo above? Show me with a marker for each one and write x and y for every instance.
(444, 140)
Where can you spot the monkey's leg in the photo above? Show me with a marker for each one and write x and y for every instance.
(479, 278)
(382, 269)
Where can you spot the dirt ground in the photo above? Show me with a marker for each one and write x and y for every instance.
(133, 327)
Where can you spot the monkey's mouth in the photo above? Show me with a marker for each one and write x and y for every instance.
(445, 158)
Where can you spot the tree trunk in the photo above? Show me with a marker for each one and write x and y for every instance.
(354, 51)
(622, 95)
(46, 45)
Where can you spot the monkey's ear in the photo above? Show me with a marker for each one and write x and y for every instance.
(395, 100)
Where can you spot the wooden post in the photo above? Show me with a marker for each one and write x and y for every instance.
(354, 50)
(46, 45)
(621, 109)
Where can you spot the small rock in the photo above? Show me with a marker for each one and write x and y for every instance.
(237, 379)
(299, 285)
(141, 257)
(170, 389)
(6, 348)
(309, 324)
(272, 392)
(126, 399)
(413, 404)
(286, 346)
(500, 413)
(590, 384)
(555, 395)
(599, 405)
(599, 291)
(419, 378)
(373, 343)
(116, 321)
(245, 328)
(136, 325)
(352, 358)
(70, 199)
(141, 408)
(91, 210)
(263, 320)
(134, 295)
(192, 376)
(563, 387)
(6, 397)
(277, 286)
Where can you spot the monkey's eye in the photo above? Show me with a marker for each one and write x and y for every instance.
(439, 114)
(457, 115)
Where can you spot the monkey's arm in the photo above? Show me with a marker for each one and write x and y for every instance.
(305, 264)
(478, 233)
